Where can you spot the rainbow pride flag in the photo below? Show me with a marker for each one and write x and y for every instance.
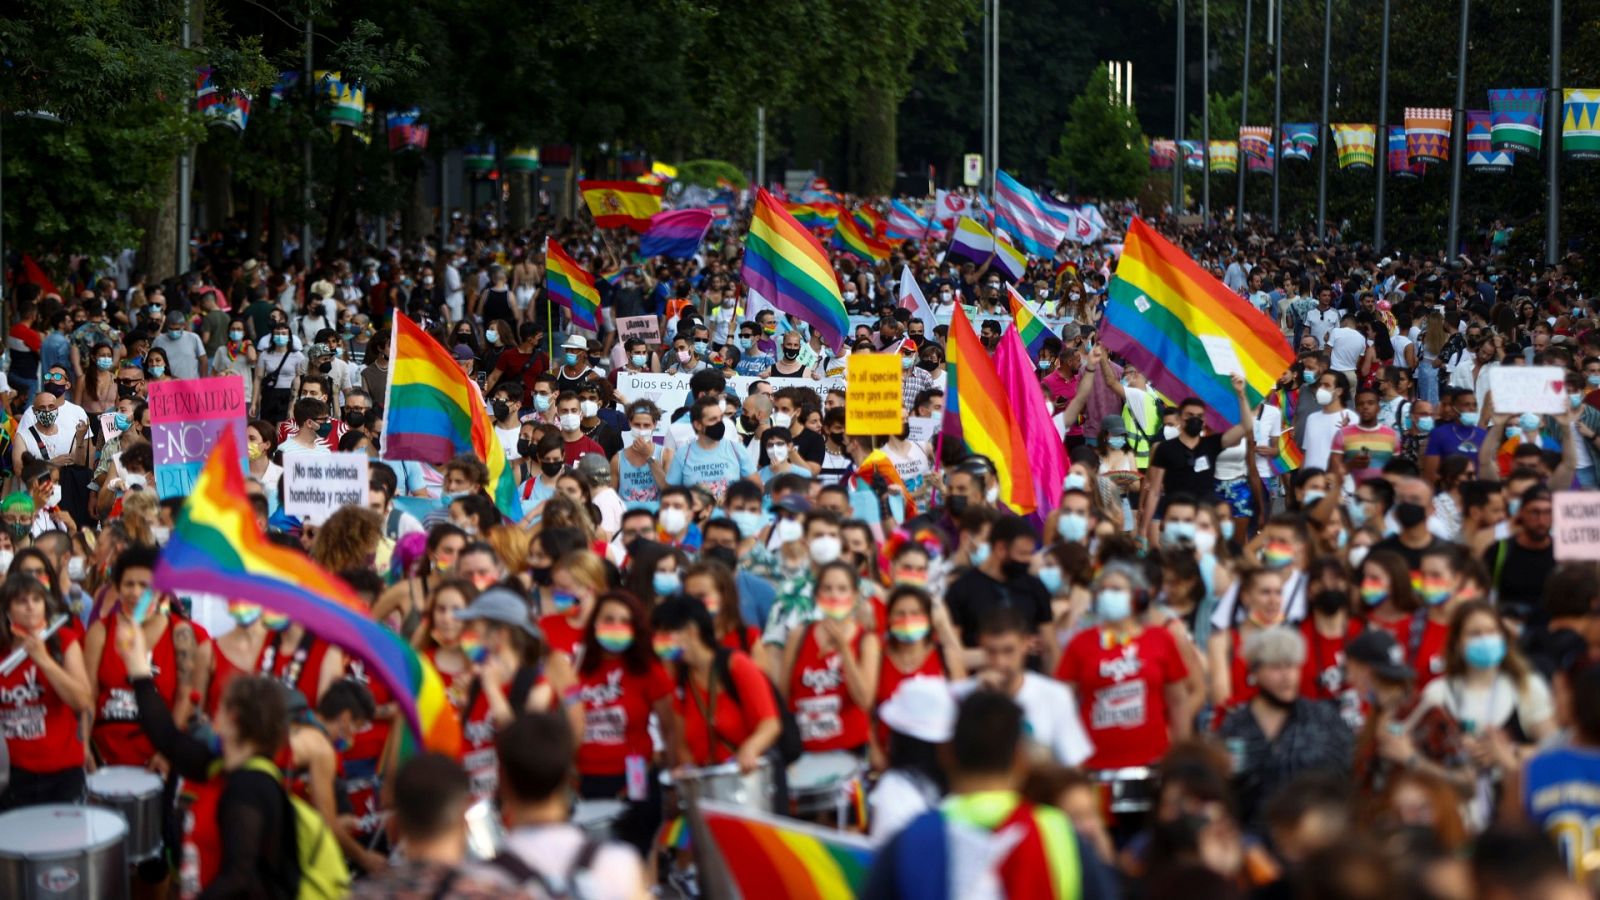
(822, 216)
(217, 548)
(1186, 331)
(859, 242)
(787, 266)
(571, 286)
(767, 856)
(1290, 456)
(1030, 326)
(434, 412)
(976, 410)
(870, 220)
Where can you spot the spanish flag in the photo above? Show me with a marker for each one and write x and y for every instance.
(622, 204)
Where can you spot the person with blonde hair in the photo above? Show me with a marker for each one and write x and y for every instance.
(576, 579)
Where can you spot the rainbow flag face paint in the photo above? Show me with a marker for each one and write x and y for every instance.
(1277, 555)
(910, 630)
(275, 621)
(667, 648)
(563, 602)
(1434, 591)
(1373, 592)
(615, 637)
(836, 608)
(473, 647)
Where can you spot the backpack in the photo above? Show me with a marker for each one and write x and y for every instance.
(323, 873)
(787, 747)
(571, 885)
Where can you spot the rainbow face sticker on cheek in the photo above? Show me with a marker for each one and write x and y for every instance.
(837, 608)
(244, 614)
(563, 602)
(667, 647)
(473, 648)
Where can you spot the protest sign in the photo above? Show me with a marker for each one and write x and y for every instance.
(668, 392)
(873, 394)
(1535, 389)
(187, 419)
(1576, 527)
(316, 485)
(645, 328)
(923, 428)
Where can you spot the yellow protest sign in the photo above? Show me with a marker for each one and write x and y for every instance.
(872, 401)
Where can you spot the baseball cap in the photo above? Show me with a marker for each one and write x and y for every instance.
(1113, 425)
(502, 606)
(595, 468)
(462, 351)
(794, 503)
(1379, 649)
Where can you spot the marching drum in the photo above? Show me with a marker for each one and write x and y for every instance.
(820, 783)
(63, 853)
(598, 818)
(486, 835)
(1130, 791)
(724, 782)
(135, 794)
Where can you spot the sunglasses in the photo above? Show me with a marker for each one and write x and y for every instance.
(55, 376)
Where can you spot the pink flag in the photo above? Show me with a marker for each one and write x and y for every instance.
(1047, 455)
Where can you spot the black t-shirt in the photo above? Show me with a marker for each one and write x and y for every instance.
(808, 445)
(497, 308)
(1520, 576)
(1187, 471)
(607, 437)
(974, 595)
(1413, 557)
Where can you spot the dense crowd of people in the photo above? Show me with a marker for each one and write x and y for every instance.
(1201, 672)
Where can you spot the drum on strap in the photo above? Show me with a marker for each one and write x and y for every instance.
(724, 782)
(486, 834)
(63, 853)
(598, 818)
(821, 783)
(135, 794)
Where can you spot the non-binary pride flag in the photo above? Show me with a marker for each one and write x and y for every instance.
(571, 286)
(1019, 211)
(1516, 119)
(1400, 162)
(435, 412)
(1357, 144)
(622, 204)
(787, 266)
(1427, 134)
(217, 548)
(1255, 141)
(976, 410)
(1186, 331)
(1481, 155)
(1225, 157)
(675, 233)
(977, 244)
(1580, 123)
(1298, 140)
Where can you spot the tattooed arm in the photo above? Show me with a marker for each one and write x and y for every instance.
(187, 655)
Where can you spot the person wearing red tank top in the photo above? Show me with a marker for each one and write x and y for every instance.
(712, 584)
(1444, 588)
(299, 659)
(1261, 602)
(831, 667)
(173, 659)
(1387, 597)
(315, 740)
(576, 579)
(619, 685)
(40, 701)
(443, 638)
(236, 653)
(1327, 632)
(921, 642)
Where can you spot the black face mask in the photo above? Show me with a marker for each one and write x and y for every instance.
(1015, 568)
(1410, 515)
(724, 555)
(541, 575)
(551, 469)
(355, 418)
(1193, 427)
(524, 448)
(927, 365)
(501, 409)
(126, 392)
(715, 432)
(1330, 602)
(956, 506)
(791, 354)
(325, 368)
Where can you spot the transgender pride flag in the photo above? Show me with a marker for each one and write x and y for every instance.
(675, 233)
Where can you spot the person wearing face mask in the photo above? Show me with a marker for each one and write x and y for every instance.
(569, 418)
(1260, 599)
(1000, 579)
(724, 702)
(184, 350)
(1413, 511)
(577, 578)
(1327, 632)
(789, 363)
(317, 738)
(710, 462)
(831, 666)
(235, 355)
(1457, 431)
(574, 369)
(1280, 735)
(620, 684)
(775, 442)
(1187, 464)
(314, 428)
(915, 647)
(277, 370)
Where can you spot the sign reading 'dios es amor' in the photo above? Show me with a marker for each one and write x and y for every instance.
(315, 485)
(1576, 528)
(1531, 389)
(187, 419)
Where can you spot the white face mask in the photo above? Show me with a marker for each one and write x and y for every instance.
(781, 419)
(75, 568)
(161, 533)
(569, 421)
(826, 549)
(673, 520)
(778, 453)
(992, 495)
(1169, 433)
(134, 481)
(5, 559)
(788, 530)
(1324, 396)
(1205, 541)
(589, 408)
(1357, 554)
(55, 496)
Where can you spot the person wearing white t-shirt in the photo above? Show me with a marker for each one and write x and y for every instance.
(1048, 708)
(1322, 425)
(1346, 346)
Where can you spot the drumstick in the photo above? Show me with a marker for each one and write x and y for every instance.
(19, 654)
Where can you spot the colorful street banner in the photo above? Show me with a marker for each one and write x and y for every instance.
(1427, 134)
(1298, 140)
(1580, 132)
(1263, 165)
(1225, 157)
(1481, 155)
(1516, 119)
(522, 159)
(1400, 164)
(1255, 141)
(227, 108)
(478, 156)
(1163, 153)
(347, 101)
(406, 131)
(283, 87)
(1357, 144)
(1192, 157)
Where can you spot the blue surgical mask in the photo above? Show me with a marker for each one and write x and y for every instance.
(157, 371)
(491, 335)
(1173, 532)
(1308, 376)
(1117, 441)
(700, 348)
(280, 340)
(749, 521)
(103, 363)
(1050, 576)
(1072, 527)
(1513, 431)
(640, 360)
(1513, 506)
(980, 554)
(1594, 381)
(1044, 365)
(1576, 400)
(1312, 498)
(746, 343)
(1470, 419)
(571, 358)
(1113, 605)
(665, 584)
(541, 402)
(1358, 513)
(1074, 481)
(1528, 421)
(1486, 651)
(1425, 424)
(1226, 527)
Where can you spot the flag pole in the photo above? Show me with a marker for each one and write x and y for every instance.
(1552, 143)
(1178, 84)
(1275, 28)
(1458, 139)
(1380, 144)
(1322, 125)
(1244, 119)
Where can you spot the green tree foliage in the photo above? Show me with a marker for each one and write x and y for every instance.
(1101, 151)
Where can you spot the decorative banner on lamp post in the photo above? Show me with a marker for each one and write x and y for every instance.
(347, 101)
(1427, 134)
(522, 159)
(1516, 119)
(1299, 139)
(1262, 166)
(1225, 157)
(1357, 144)
(406, 130)
(1400, 164)
(1481, 155)
(1163, 153)
(230, 109)
(1192, 156)
(1580, 132)
(1255, 141)
(478, 156)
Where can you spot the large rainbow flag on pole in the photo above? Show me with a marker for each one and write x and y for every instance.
(787, 266)
(216, 548)
(1186, 331)
(433, 411)
(766, 856)
(571, 286)
(976, 410)
(856, 240)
